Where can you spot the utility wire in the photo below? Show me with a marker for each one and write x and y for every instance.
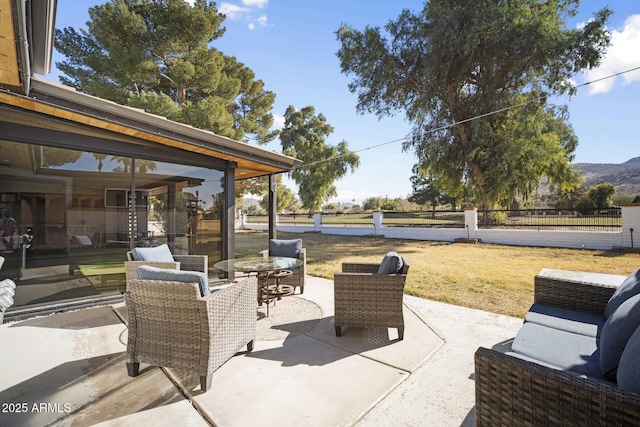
(522, 104)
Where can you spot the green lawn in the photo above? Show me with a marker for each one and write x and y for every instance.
(489, 277)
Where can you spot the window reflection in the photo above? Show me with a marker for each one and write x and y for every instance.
(72, 216)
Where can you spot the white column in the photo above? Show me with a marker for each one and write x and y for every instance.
(377, 221)
(317, 222)
(471, 222)
(630, 225)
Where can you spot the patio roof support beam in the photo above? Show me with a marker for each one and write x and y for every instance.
(272, 208)
(229, 214)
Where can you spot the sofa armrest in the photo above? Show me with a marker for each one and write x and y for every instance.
(575, 290)
(302, 255)
(512, 391)
(230, 314)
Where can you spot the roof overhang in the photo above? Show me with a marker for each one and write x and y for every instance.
(42, 28)
(27, 30)
(87, 114)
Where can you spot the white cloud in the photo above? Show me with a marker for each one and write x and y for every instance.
(255, 3)
(233, 11)
(623, 54)
(262, 22)
(278, 121)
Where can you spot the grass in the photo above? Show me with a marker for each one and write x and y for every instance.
(489, 277)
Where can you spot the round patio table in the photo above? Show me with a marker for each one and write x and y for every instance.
(268, 269)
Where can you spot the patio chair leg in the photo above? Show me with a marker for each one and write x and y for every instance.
(205, 382)
(302, 289)
(401, 333)
(133, 369)
(338, 331)
(250, 346)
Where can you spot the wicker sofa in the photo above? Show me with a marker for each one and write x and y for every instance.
(363, 298)
(538, 383)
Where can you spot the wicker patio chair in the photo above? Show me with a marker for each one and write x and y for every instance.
(365, 299)
(512, 391)
(287, 248)
(171, 325)
(181, 262)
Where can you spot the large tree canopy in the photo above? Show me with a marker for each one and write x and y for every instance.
(156, 55)
(303, 137)
(497, 61)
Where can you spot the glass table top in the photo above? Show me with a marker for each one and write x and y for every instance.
(258, 264)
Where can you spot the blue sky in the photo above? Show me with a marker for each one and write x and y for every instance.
(291, 46)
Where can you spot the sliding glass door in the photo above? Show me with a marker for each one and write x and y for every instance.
(68, 217)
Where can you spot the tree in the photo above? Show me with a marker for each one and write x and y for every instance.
(155, 55)
(303, 136)
(379, 203)
(601, 195)
(425, 192)
(256, 186)
(474, 78)
(372, 204)
(284, 197)
(569, 199)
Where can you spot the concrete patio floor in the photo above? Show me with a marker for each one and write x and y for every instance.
(69, 369)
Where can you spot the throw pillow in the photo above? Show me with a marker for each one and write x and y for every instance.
(154, 273)
(392, 263)
(629, 368)
(616, 333)
(285, 248)
(627, 289)
(160, 253)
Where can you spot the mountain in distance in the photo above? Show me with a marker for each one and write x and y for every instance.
(624, 176)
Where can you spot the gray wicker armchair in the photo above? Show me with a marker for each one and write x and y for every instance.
(512, 391)
(171, 325)
(181, 262)
(292, 249)
(365, 299)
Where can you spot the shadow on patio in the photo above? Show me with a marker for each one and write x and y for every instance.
(298, 373)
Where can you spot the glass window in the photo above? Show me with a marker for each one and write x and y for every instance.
(68, 218)
(180, 205)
